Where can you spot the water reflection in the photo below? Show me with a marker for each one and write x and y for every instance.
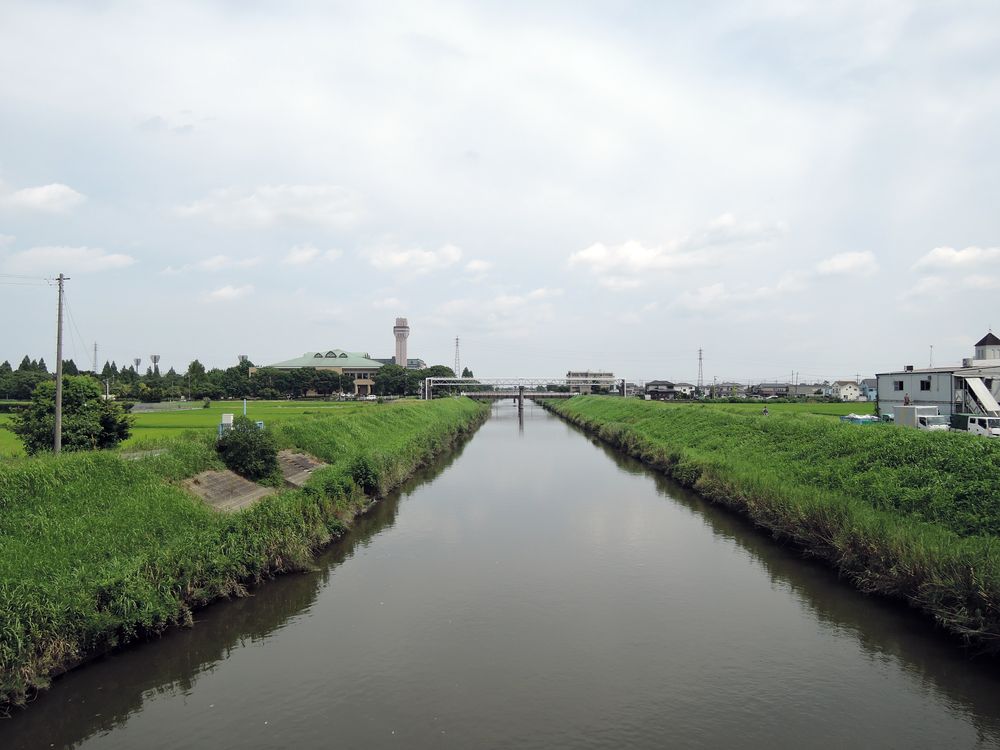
(103, 694)
(531, 604)
(881, 627)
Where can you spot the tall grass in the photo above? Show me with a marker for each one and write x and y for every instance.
(905, 513)
(97, 551)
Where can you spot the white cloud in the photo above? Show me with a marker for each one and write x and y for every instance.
(301, 255)
(6, 239)
(478, 270)
(213, 263)
(228, 293)
(415, 260)
(719, 298)
(543, 293)
(949, 257)
(63, 259)
(850, 264)
(52, 199)
(388, 303)
(624, 266)
(267, 205)
(478, 266)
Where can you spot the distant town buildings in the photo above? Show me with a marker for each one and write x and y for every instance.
(585, 381)
(846, 390)
(970, 388)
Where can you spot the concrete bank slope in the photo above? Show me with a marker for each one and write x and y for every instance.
(902, 513)
(97, 551)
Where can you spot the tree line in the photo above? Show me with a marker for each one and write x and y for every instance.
(197, 382)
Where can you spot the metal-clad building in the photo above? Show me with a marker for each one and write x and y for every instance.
(972, 388)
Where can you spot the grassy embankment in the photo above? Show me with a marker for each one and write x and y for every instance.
(908, 514)
(97, 551)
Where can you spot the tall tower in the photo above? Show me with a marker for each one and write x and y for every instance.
(701, 375)
(401, 331)
(458, 362)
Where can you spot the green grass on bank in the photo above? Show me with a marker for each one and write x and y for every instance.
(810, 408)
(903, 512)
(96, 550)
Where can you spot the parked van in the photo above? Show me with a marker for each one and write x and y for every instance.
(988, 426)
(921, 417)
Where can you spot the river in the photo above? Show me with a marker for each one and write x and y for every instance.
(536, 590)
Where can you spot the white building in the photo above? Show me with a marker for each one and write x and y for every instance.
(846, 390)
(972, 388)
(685, 389)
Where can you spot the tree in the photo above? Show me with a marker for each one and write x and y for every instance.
(390, 380)
(70, 368)
(89, 421)
(249, 451)
(467, 373)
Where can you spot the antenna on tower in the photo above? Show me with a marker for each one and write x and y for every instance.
(458, 362)
(701, 374)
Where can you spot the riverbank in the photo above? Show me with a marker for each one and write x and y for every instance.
(98, 551)
(902, 513)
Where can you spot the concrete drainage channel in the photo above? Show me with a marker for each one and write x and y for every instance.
(228, 491)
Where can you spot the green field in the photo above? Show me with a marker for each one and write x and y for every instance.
(902, 512)
(96, 550)
(154, 427)
(10, 445)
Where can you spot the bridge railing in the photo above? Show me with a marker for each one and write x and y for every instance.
(517, 385)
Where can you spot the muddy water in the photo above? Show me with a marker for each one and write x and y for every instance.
(536, 590)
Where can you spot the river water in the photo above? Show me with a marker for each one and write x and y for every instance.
(536, 590)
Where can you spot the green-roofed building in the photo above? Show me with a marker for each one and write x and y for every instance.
(359, 365)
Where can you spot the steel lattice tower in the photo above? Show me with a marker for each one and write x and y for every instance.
(701, 374)
(458, 362)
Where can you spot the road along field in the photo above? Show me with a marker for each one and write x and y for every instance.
(98, 551)
(906, 513)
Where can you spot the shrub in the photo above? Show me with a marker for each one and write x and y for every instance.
(206, 403)
(365, 474)
(89, 422)
(249, 451)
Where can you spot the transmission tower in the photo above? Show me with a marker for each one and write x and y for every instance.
(458, 362)
(701, 374)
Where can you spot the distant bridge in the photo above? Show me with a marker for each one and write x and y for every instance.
(521, 388)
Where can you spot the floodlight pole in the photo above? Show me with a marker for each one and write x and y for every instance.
(57, 431)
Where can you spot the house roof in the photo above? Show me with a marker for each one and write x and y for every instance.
(845, 382)
(660, 382)
(988, 340)
(329, 358)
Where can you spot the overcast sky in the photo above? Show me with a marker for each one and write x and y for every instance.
(790, 185)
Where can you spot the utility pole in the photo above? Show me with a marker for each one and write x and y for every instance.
(57, 432)
(95, 357)
(932, 356)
